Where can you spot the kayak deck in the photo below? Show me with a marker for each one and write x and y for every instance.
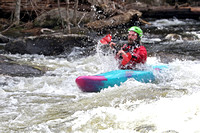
(98, 82)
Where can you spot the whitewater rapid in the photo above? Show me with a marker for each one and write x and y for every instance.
(53, 103)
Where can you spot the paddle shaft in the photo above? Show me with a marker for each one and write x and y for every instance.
(107, 40)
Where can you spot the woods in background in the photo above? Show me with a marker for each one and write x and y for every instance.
(94, 14)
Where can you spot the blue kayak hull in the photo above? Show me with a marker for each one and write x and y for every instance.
(98, 82)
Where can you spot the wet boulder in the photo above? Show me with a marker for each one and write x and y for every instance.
(173, 37)
(11, 68)
(54, 44)
(37, 45)
(3, 39)
(184, 37)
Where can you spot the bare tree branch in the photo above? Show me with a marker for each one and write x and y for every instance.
(81, 19)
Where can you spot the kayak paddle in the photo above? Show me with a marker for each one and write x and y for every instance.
(107, 39)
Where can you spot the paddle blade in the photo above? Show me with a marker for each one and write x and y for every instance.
(106, 39)
(126, 58)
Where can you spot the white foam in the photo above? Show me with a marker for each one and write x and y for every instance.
(167, 22)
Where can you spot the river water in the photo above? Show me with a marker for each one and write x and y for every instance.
(54, 104)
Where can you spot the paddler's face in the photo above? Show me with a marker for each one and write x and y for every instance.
(132, 36)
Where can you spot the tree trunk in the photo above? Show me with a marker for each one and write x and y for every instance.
(67, 17)
(60, 14)
(115, 20)
(17, 12)
(75, 13)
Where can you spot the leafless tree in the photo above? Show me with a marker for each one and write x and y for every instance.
(61, 19)
(75, 13)
(17, 12)
(67, 16)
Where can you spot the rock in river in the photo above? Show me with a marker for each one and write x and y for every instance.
(53, 44)
(3, 39)
(11, 68)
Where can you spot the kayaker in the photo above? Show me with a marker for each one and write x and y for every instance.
(133, 52)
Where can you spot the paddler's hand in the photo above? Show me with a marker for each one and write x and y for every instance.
(112, 44)
(121, 52)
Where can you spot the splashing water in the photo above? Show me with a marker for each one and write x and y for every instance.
(53, 102)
